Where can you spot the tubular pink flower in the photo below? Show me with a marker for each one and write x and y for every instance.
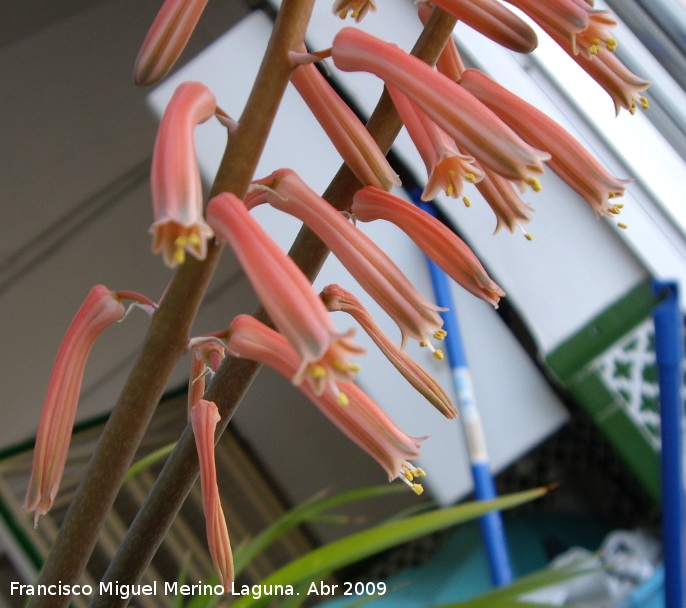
(204, 418)
(361, 419)
(345, 130)
(373, 269)
(435, 239)
(473, 126)
(502, 197)
(493, 20)
(207, 353)
(166, 39)
(570, 160)
(287, 295)
(622, 85)
(100, 310)
(574, 21)
(357, 8)
(179, 226)
(338, 299)
(447, 168)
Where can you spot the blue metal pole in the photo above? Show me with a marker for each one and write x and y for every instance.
(484, 488)
(669, 354)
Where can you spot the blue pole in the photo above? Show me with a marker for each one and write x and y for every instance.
(669, 354)
(484, 488)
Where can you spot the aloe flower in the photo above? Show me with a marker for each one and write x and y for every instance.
(204, 419)
(359, 417)
(357, 8)
(345, 130)
(435, 239)
(502, 197)
(621, 84)
(338, 299)
(286, 295)
(446, 166)
(471, 124)
(179, 226)
(166, 39)
(207, 353)
(374, 270)
(494, 20)
(586, 29)
(101, 309)
(570, 160)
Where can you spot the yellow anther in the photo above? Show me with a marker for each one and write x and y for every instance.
(342, 400)
(611, 195)
(616, 209)
(423, 344)
(466, 201)
(644, 102)
(528, 237)
(180, 255)
(633, 108)
(611, 44)
(452, 172)
(419, 472)
(407, 474)
(317, 371)
(470, 177)
(449, 189)
(622, 225)
(418, 489)
(193, 239)
(440, 334)
(535, 184)
(438, 354)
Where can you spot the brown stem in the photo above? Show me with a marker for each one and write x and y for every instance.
(167, 336)
(235, 375)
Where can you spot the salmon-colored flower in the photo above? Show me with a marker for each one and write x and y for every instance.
(494, 20)
(570, 160)
(502, 197)
(621, 84)
(440, 243)
(357, 8)
(286, 295)
(179, 226)
(338, 299)
(207, 353)
(345, 130)
(360, 419)
(374, 270)
(446, 166)
(204, 418)
(586, 29)
(100, 310)
(166, 39)
(473, 126)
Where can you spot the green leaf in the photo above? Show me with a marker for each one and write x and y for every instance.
(307, 511)
(361, 545)
(146, 461)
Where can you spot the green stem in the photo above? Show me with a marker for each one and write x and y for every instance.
(234, 377)
(167, 336)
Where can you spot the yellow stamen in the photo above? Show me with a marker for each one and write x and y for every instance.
(418, 489)
(622, 225)
(535, 184)
(470, 177)
(466, 201)
(438, 354)
(644, 102)
(611, 44)
(528, 237)
(449, 189)
(440, 334)
(342, 399)
(317, 371)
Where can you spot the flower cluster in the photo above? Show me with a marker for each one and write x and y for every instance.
(466, 128)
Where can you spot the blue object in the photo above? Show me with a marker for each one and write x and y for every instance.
(669, 354)
(649, 594)
(484, 487)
